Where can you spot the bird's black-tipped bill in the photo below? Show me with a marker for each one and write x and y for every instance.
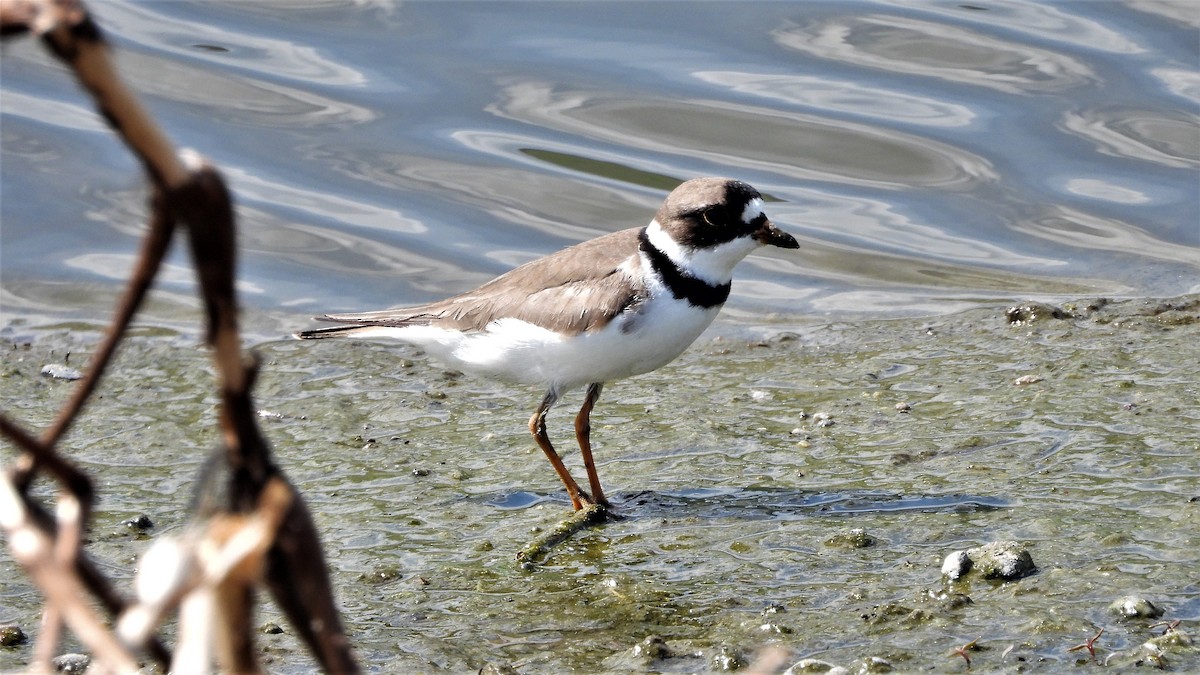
(770, 235)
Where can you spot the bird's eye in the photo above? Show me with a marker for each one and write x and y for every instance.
(712, 216)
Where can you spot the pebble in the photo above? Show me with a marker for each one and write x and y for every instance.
(61, 372)
(12, 635)
(270, 628)
(956, 565)
(71, 663)
(1027, 379)
(139, 523)
(874, 664)
(653, 647)
(773, 609)
(903, 407)
(823, 419)
(814, 666)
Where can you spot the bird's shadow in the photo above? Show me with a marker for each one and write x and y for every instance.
(762, 503)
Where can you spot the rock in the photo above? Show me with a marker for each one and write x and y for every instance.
(1032, 312)
(855, 538)
(139, 523)
(873, 664)
(71, 663)
(653, 647)
(10, 636)
(949, 600)
(956, 565)
(814, 666)
(61, 372)
(382, 574)
(773, 609)
(1135, 607)
(726, 659)
(270, 628)
(1005, 560)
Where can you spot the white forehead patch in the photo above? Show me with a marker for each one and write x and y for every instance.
(754, 209)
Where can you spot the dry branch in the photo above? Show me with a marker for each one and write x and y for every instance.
(263, 533)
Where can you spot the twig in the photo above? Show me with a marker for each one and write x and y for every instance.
(537, 549)
(1089, 644)
(36, 552)
(962, 651)
(193, 193)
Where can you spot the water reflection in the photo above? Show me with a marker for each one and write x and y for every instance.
(844, 96)
(1102, 189)
(117, 266)
(927, 155)
(1140, 134)
(57, 113)
(238, 99)
(156, 28)
(806, 147)
(903, 45)
(1075, 228)
(1034, 19)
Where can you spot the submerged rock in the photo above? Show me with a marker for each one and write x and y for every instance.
(653, 647)
(725, 659)
(654, 654)
(139, 523)
(855, 538)
(894, 612)
(1005, 560)
(11, 636)
(872, 664)
(815, 666)
(1032, 312)
(1135, 607)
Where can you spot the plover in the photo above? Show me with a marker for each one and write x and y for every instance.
(619, 305)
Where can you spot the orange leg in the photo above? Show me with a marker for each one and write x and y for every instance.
(537, 427)
(583, 434)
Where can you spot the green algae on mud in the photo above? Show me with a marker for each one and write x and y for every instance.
(1074, 431)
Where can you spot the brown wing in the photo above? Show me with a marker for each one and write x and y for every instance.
(575, 289)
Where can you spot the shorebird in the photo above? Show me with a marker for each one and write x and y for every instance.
(619, 305)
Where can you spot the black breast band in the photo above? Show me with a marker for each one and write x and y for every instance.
(684, 286)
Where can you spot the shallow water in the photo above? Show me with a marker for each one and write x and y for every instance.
(736, 497)
(934, 159)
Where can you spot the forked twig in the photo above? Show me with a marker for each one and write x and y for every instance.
(264, 531)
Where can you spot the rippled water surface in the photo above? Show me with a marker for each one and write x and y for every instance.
(933, 158)
(927, 154)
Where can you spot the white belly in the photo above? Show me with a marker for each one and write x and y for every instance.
(518, 351)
